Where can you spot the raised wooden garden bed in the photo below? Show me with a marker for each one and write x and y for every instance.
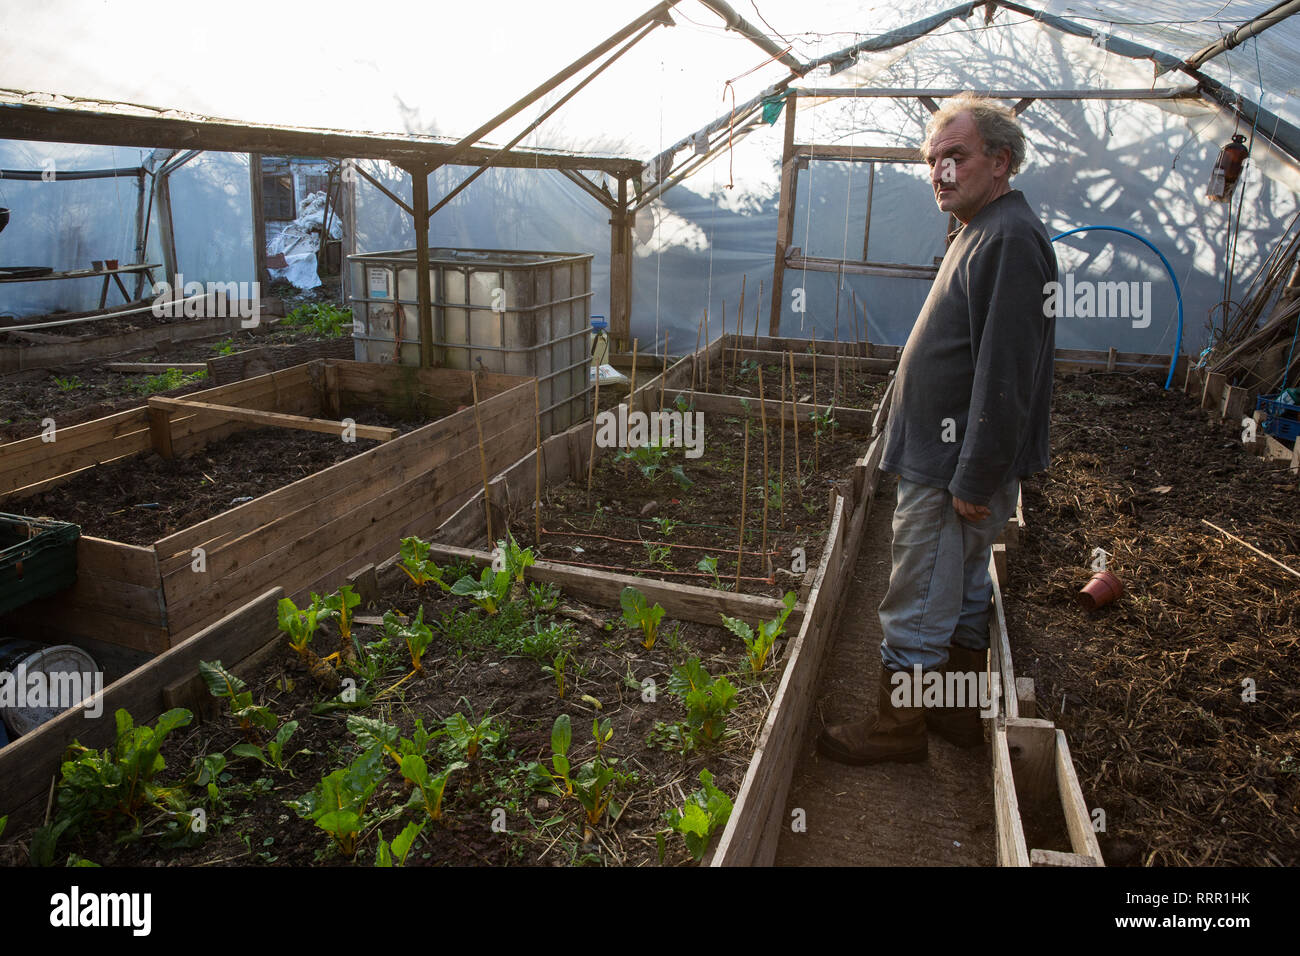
(303, 536)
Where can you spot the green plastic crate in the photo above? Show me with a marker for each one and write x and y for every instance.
(38, 557)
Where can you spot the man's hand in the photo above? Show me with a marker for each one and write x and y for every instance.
(969, 511)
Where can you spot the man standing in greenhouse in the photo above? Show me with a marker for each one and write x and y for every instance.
(972, 398)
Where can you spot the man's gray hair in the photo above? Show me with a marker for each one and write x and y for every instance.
(997, 125)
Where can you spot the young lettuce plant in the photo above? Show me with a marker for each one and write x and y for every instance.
(226, 686)
(758, 646)
(707, 811)
(637, 612)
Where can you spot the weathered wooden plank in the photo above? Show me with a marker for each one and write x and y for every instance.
(1026, 700)
(1057, 858)
(1032, 745)
(1083, 838)
(29, 453)
(28, 764)
(1000, 646)
(804, 360)
(273, 419)
(684, 602)
(1010, 832)
(767, 777)
(850, 419)
(152, 368)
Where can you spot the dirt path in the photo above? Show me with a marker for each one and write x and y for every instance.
(935, 813)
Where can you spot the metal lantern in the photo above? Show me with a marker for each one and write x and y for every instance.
(1227, 169)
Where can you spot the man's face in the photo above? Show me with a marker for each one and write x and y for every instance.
(964, 177)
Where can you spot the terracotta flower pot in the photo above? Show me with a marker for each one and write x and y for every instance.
(98, 264)
(110, 263)
(1100, 591)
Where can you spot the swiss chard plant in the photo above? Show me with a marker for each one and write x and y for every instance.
(117, 784)
(707, 699)
(275, 753)
(338, 608)
(709, 565)
(555, 670)
(301, 624)
(470, 739)
(395, 854)
(759, 644)
(488, 591)
(824, 421)
(596, 783)
(706, 811)
(638, 613)
(428, 789)
(415, 562)
(338, 803)
(224, 685)
(543, 597)
(557, 780)
(415, 634)
(514, 560)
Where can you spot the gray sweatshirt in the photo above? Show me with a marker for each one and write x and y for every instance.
(973, 391)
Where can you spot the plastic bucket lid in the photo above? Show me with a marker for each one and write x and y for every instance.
(25, 669)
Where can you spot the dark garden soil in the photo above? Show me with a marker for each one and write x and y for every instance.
(856, 389)
(82, 392)
(478, 665)
(140, 499)
(1154, 691)
(616, 530)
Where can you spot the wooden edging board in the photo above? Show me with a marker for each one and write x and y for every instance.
(30, 765)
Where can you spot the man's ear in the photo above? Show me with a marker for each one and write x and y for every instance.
(1002, 163)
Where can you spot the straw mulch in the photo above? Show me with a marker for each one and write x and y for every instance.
(1151, 691)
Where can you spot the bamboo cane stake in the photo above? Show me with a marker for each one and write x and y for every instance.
(708, 374)
(762, 412)
(482, 459)
(631, 395)
(591, 461)
(835, 379)
(758, 308)
(816, 459)
(744, 480)
(780, 481)
(695, 356)
(740, 329)
(1229, 534)
(663, 379)
(794, 418)
(722, 349)
(537, 494)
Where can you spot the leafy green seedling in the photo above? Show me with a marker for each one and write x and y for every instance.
(556, 670)
(595, 784)
(602, 731)
(338, 607)
(824, 422)
(758, 646)
(543, 597)
(708, 700)
(637, 612)
(706, 811)
(471, 739)
(429, 789)
(541, 778)
(488, 591)
(709, 565)
(274, 754)
(338, 803)
(300, 624)
(665, 526)
(417, 635)
(395, 854)
(226, 686)
(658, 554)
(415, 562)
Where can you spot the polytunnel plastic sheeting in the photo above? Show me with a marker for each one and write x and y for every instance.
(212, 219)
(65, 225)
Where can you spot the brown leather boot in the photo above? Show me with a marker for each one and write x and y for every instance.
(960, 726)
(894, 734)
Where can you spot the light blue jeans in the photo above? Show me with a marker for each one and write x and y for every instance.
(939, 586)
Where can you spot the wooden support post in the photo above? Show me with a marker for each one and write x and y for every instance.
(1000, 562)
(420, 205)
(1110, 358)
(784, 216)
(1212, 392)
(259, 220)
(1234, 404)
(166, 234)
(1032, 745)
(160, 430)
(1026, 697)
(620, 270)
(744, 480)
